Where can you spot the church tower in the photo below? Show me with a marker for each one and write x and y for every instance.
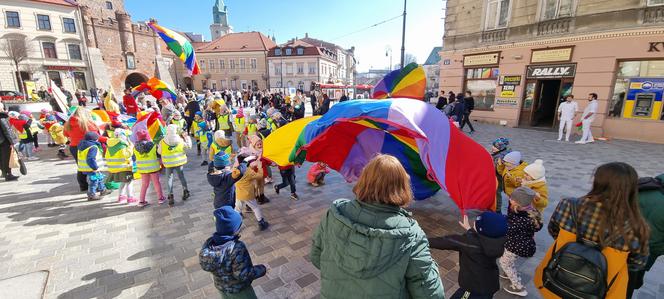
(220, 25)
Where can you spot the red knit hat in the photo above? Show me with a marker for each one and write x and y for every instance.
(142, 135)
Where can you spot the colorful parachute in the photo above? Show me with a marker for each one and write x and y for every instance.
(408, 82)
(433, 151)
(157, 88)
(179, 45)
(151, 122)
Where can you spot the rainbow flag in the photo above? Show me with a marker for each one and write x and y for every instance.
(157, 88)
(179, 45)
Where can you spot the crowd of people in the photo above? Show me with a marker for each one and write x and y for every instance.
(389, 256)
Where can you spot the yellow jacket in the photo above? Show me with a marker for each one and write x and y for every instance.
(542, 199)
(244, 188)
(511, 176)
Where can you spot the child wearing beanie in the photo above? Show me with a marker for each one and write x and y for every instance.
(119, 159)
(535, 179)
(478, 248)
(249, 170)
(147, 164)
(523, 221)
(227, 258)
(204, 135)
(173, 157)
(220, 145)
(499, 149)
(90, 162)
(511, 169)
(222, 180)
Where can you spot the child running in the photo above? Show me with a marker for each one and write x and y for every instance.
(227, 258)
(119, 160)
(316, 174)
(91, 164)
(523, 221)
(249, 169)
(173, 157)
(147, 164)
(287, 179)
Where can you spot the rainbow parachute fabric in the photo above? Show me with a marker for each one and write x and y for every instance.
(408, 82)
(433, 151)
(152, 123)
(179, 45)
(157, 88)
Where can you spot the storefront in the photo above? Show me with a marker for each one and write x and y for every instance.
(70, 78)
(522, 84)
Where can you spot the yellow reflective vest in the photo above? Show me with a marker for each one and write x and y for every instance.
(180, 122)
(147, 162)
(222, 120)
(252, 129)
(239, 124)
(173, 156)
(215, 148)
(119, 161)
(83, 163)
(272, 124)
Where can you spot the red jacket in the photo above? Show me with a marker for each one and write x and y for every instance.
(130, 104)
(75, 134)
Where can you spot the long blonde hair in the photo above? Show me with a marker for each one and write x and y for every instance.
(385, 181)
(83, 116)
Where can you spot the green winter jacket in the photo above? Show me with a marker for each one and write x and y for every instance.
(652, 208)
(373, 251)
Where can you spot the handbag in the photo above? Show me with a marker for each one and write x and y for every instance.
(13, 159)
(21, 165)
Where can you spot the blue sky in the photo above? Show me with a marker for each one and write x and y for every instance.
(332, 20)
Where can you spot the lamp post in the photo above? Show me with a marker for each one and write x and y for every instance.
(389, 51)
(403, 34)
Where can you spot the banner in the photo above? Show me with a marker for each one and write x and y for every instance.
(60, 97)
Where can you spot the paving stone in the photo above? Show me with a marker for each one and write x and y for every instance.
(306, 280)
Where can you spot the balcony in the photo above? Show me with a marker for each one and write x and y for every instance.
(653, 15)
(554, 27)
(493, 35)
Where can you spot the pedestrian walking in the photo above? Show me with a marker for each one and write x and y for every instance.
(469, 106)
(587, 119)
(7, 140)
(566, 113)
(75, 128)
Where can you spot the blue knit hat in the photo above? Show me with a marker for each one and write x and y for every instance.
(222, 160)
(227, 221)
(90, 135)
(501, 143)
(492, 225)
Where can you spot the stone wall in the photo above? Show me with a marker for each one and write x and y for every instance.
(98, 7)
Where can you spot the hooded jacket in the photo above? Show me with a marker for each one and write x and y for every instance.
(373, 251)
(651, 204)
(478, 271)
(510, 176)
(92, 154)
(224, 187)
(230, 265)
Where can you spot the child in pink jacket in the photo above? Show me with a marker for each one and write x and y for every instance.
(316, 174)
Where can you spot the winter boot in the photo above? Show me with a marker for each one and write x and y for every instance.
(171, 200)
(185, 194)
(294, 196)
(263, 225)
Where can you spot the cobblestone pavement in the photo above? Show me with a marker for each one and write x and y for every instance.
(107, 250)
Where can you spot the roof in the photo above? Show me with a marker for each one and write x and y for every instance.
(320, 43)
(237, 42)
(434, 56)
(57, 2)
(309, 49)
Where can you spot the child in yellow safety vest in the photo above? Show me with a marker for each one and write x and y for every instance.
(194, 128)
(119, 154)
(56, 131)
(179, 121)
(91, 164)
(173, 157)
(224, 121)
(252, 126)
(205, 138)
(220, 146)
(148, 165)
(239, 124)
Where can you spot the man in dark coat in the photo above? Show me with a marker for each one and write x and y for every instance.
(469, 103)
(7, 141)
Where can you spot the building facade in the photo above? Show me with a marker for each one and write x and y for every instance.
(298, 64)
(233, 61)
(432, 71)
(219, 25)
(344, 69)
(520, 58)
(47, 39)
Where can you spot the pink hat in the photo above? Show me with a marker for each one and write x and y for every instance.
(26, 113)
(142, 135)
(240, 112)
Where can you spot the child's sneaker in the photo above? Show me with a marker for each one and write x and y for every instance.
(171, 200)
(263, 225)
(93, 197)
(122, 199)
(314, 184)
(185, 194)
(131, 200)
(204, 163)
(143, 204)
(514, 291)
(276, 189)
(294, 196)
(162, 200)
(33, 158)
(105, 192)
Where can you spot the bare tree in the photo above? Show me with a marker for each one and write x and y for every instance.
(16, 50)
(408, 58)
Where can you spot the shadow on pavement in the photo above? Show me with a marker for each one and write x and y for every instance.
(105, 284)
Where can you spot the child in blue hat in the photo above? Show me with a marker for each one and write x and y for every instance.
(225, 256)
(222, 179)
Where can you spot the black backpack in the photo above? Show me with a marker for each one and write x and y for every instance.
(578, 269)
(650, 184)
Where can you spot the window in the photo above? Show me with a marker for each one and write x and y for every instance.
(79, 79)
(482, 83)
(253, 63)
(222, 64)
(49, 50)
(55, 76)
(131, 61)
(289, 68)
(69, 25)
(223, 84)
(201, 64)
(277, 52)
(629, 86)
(554, 9)
(242, 64)
(300, 68)
(655, 2)
(75, 52)
(13, 19)
(109, 5)
(277, 69)
(300, 51)
(43, 22)
(212, 65)
(312, 69)
(497, 14)
(214, 85)
(232, 63)
(289, 51)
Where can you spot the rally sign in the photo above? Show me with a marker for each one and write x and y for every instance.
(551, 71)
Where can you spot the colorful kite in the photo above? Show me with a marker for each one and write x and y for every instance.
(434, 152)
(408, 82)
(157, 88)
(179, 45)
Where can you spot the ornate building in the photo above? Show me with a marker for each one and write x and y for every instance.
(220, 25)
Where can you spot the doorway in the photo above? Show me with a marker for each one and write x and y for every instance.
(135, 79)
(544, 108)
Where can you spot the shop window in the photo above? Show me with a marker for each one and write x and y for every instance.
(497, 14)
(13, 19)
(69, 25)
(55, 77)
(223, 84)
(554, 9)
(655, 2)
(43, 22)
(482, 83)
(75, 52)
(638, 89)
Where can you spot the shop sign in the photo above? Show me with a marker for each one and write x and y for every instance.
(655, 47)
(510, 80)
(508, 91)
(551, 55)
(481, 59)
(512, 102)
(551, 71)
(60, 68)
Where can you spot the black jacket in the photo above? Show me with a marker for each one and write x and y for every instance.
(442, 101)
(325, 106)
(469, 102)
(6, 132)
(478, 271)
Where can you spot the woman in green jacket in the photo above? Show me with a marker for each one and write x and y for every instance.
(371, 247)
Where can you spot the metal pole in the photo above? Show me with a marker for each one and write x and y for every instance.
(403, 34)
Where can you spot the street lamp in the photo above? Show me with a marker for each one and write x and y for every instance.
(389, 52)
